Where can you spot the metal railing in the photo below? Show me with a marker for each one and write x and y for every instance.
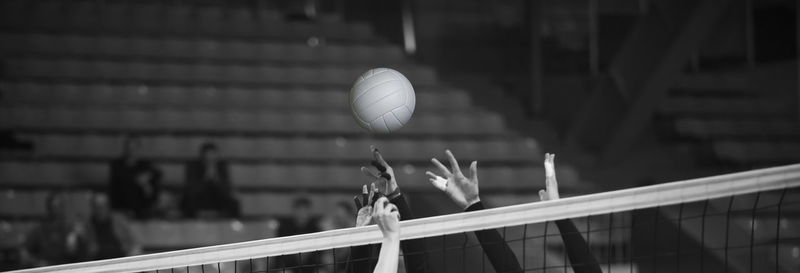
(749, 45)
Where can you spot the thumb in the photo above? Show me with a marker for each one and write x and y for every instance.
(473, 170)
(542, 195)
(437, 181)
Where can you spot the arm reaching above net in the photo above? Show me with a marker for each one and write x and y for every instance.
(551, 184)
(361, 258)
(387, 217)
(384, 176)
(580, 256)
(415, 258)
(464, 192)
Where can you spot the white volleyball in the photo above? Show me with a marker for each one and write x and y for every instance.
(382, 100)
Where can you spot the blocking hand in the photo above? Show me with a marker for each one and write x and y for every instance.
(463, 190)
(387, 217)
(384, 176)
(551, 192)
(364, 205)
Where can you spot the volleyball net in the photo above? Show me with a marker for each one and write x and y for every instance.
(741, 222)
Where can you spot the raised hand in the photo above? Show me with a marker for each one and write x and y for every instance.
(364, 205)
(387, 217)
(551, 192)
(463, 190)
(384, 176)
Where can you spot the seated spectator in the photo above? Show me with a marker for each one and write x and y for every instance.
(339, 217)
(301, 222)
(59, 239)
(135, 182)
(10, 258)
(111, 232)
(208, 185)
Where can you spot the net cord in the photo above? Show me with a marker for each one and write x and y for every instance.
(592, 204)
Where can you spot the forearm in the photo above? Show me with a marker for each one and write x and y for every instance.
(495, 247)
(580, 256)
(415, 259)
(389, 255)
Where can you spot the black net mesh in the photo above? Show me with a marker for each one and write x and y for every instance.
(758, 232)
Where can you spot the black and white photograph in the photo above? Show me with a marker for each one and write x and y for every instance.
(400, 136)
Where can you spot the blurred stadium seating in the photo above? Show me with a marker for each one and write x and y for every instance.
(272, 93)
(739, 117)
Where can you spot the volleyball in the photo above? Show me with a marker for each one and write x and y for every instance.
(382, 100)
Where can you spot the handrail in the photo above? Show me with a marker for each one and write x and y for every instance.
(797, 55)
(594, 50)
(409, 33)
(750, 54)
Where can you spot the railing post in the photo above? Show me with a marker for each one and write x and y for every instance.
(694, 61)
(749, 33)
(644, 6)
(594, 58)
(409, 33)
(536, 57)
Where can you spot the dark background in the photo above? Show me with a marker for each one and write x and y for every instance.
(626, 93)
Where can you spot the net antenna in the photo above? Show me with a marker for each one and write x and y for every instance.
(693, 190)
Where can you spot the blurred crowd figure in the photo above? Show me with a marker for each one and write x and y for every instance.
(135, 182)
(111, 231)
(135, 190)
(62, 238)
(58, 239)
(340, 217)
(208, 185)
(301, 221)
(135, 186)
(106, 233)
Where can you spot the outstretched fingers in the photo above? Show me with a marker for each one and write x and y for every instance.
(453, 162)
(551, 184)
(441, 167)
(431, 175)
(382, 165)
(362, 200)
(549, 164)
(473, 171)
(375, 194)
(372, 174)
(364, 196)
